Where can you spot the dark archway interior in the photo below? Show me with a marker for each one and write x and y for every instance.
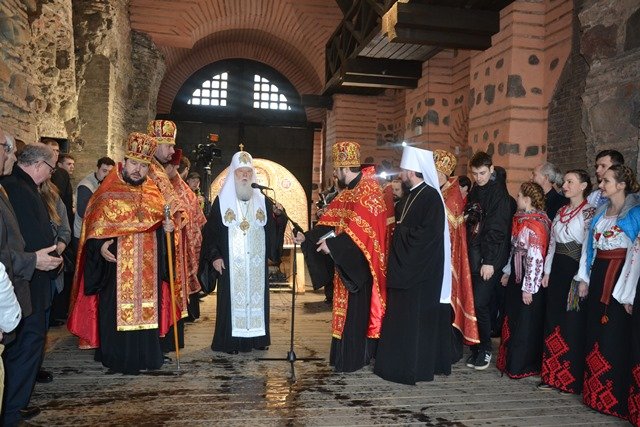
(282, 136)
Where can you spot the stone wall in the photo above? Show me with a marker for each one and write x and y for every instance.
(73, 70)
(610, 43)
(565, 139)
(37, 70)
(119, 73)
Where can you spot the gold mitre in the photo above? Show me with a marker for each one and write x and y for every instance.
(445, 162)
(164, 131)
(141, 147)
(346, 154)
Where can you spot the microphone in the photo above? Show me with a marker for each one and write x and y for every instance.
(260, 187)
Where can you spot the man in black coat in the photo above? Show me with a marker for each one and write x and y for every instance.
(23, 357)
(488, 214)
(547, 175)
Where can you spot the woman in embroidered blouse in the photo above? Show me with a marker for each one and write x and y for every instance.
(634, 390)
(609, 270)
(565, 317)
(520, 352)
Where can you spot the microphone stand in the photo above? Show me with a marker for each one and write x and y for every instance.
(291, 354)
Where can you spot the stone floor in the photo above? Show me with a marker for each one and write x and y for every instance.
(220, 389)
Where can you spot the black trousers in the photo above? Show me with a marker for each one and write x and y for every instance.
(22, 359)
(483, 290)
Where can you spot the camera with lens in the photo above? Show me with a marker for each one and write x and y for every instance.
(206, 153)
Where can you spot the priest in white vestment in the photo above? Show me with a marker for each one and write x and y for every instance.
(238, 239)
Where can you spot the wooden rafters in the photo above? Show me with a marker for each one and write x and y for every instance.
(375, 73)
(408, 30)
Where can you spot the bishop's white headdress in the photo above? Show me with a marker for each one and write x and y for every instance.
(229, 199)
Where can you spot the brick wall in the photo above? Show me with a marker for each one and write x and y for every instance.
(375, 122)
(513, 83)
(496, 100)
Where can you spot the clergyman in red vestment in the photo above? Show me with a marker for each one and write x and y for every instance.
(356, 257)
(464, 315)
(119, 298)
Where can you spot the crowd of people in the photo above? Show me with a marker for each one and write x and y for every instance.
(553, 273)
(415, 268)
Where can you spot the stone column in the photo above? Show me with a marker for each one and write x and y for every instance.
(611, 101)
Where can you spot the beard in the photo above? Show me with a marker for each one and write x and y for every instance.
(406, 186)
(244, 190)
(135, 182)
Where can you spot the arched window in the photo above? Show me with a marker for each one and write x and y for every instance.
(238, 90)
(267, 95)
(213, 92)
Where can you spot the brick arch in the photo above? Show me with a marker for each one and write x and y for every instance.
(284, 26)
(264, 47)
(303, 24)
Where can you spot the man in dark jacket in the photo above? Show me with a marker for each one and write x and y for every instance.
(488, 213)
(23, 357)
(547, 175)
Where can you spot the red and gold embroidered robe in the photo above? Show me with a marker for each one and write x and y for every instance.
(362, 213)
(132, 214)
(192, 232)
(461, 286)
(180, 220)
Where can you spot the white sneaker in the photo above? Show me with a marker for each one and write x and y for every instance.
(482, 361)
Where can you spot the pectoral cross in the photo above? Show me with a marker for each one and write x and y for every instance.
(241, 145)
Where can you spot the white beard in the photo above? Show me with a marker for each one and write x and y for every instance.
(243, 191)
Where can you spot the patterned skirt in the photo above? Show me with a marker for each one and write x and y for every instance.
(608, 349)
(634, 391)
(520, 352)
(564, 331)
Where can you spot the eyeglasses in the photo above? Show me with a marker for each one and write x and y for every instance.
(50, 167)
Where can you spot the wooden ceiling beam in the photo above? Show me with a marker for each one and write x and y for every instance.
(345, 5)
(442, 18)
(375, 73)
(380, 82)
(383, 67)
(441, 39)
(442, 26)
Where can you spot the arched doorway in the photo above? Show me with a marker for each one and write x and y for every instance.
(244, 102)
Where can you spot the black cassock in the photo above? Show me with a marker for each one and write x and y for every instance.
(353, 350)
(413, 343)
(215, 244)
(127, 352)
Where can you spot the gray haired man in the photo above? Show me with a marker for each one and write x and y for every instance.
(547, 175)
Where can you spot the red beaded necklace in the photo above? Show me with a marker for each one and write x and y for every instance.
(566, 216)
